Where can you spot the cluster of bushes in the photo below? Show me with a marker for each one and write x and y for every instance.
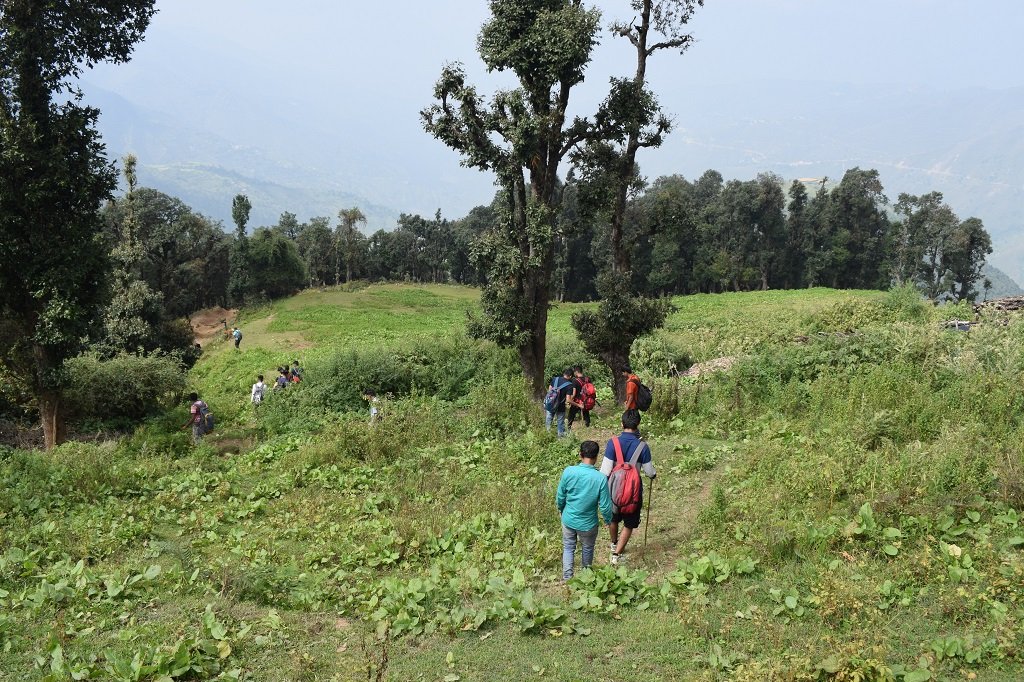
(123, 390)
(451, 370)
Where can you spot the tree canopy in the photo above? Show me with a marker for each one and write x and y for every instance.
(53, 177)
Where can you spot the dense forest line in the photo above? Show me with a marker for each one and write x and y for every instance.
(706, 235)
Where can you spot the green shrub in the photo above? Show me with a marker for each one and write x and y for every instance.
(654, 356)
(122, 390)
(565, 352)
(501, 408)
(448, 370)
(907, 304)
(851, 315)
(16, 402)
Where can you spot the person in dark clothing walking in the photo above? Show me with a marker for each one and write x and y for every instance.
(562, 390)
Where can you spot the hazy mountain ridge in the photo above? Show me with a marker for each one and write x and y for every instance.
(968, 144)
(207, 137)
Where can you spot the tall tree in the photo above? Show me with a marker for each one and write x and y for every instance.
(769, 228)
(316, 246)
(628, 120)
(818, 237)
(794, 259)
(669, 207)
(920, 219)
(860, 227)
(53, 177)
(521, 136)
(288, 225)
(240, 281)
(277, 268)
(965, 258)
(135, 312)
(347, 241)
(185, 255)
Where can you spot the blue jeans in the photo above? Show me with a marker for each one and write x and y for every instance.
(587, 538)
(559, 417)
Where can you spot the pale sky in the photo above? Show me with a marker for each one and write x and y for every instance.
(325, 83)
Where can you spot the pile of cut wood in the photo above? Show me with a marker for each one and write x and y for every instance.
(1005, 304)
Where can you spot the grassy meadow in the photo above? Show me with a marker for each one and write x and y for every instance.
(844, 503)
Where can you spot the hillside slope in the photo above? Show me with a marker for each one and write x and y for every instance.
(841, 504)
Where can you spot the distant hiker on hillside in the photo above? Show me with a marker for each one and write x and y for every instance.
(586, 397)
(200, 418)
(281, 382)
(371, 397)
(236, 333)
(560, 391)
(582, 491)
(258, 390)
(625, 457)
(296, 372)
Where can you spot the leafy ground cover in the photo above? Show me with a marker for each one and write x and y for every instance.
(843, 504)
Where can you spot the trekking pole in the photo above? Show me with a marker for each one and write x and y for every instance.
(647, 521)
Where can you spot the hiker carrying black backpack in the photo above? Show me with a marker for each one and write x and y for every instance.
(625, 456)
(638, 396)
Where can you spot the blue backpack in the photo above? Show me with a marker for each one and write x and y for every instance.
(551, 400)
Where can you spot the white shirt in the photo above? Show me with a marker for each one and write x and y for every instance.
(257, 392)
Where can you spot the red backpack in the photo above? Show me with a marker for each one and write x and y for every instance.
(589, 395)
(624, 481)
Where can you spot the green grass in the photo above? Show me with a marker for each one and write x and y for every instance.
(812, 518)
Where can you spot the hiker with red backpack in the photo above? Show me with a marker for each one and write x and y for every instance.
(586, 398)
(561, 391)
(625, 456)
(582, 492)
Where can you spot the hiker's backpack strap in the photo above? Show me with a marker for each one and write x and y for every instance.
(634, 459)
(618, 450)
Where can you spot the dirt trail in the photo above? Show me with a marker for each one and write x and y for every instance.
(676, 505)
(677, 501)
(209, 324)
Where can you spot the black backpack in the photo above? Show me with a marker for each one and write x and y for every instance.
(643, 396)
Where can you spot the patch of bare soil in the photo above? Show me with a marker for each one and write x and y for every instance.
(233, 446)
(209, 324)
(709, 366)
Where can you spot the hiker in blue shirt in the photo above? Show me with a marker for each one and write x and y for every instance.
(637, 453)
(581, 492)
